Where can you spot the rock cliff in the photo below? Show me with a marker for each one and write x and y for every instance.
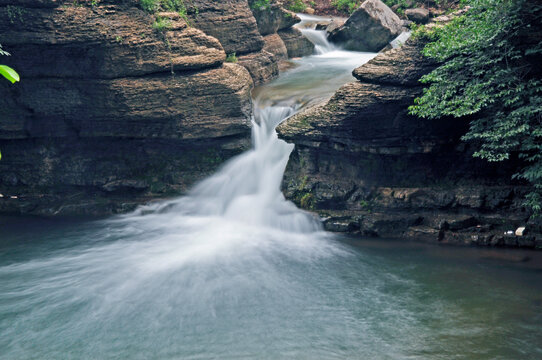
(112, 110)
(368, 167)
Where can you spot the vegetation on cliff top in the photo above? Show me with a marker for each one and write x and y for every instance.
(292, 5)
(349, 6)
(491, 70)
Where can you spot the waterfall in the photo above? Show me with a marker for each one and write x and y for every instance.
(247, 189)
(317, 37)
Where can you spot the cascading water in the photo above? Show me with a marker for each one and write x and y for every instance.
(317, 37)
(233, 270)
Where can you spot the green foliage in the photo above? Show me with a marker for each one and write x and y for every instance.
(9, 73)
(15, 14)
(307, 201)
(295, 5)
(179, 6)
(161, 24)
(149, 5)
(232, 58)
(260, 4)
(348, 6)
(6, 71)
(491, 70)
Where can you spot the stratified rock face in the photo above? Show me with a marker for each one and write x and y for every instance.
(370, 28)
(296, 43)
(367, 166)
(107, 42)
(207, 104)
(109, 111)
(231, 22)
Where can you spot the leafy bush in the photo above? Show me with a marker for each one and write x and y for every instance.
(348, 6)
(491, 69)
(161, 24)
(152, 6)
(231, 58)
(295, 5)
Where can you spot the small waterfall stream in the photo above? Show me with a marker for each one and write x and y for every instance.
(247, 188)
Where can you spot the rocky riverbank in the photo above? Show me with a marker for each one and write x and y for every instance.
(368, 167)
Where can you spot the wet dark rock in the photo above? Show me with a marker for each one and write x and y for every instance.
(370, 28)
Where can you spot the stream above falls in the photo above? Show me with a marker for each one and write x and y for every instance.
(233, 270)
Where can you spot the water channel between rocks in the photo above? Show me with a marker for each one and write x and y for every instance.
(233, 270)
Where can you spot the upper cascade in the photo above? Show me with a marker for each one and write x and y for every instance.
(318, 37)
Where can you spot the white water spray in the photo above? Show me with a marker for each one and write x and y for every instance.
(247, 189)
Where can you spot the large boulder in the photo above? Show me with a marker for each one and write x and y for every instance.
(370, 28)
(273, 18)
(231, 22)
(275, 45)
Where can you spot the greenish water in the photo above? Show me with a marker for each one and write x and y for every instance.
(124, 289)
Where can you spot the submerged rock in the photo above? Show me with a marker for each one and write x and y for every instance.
(370, 28)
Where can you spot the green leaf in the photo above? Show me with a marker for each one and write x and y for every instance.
(9, 73)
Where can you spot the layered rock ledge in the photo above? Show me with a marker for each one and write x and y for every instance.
(112, 111)
(368, 167)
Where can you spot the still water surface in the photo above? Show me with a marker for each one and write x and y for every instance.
(98, 290)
